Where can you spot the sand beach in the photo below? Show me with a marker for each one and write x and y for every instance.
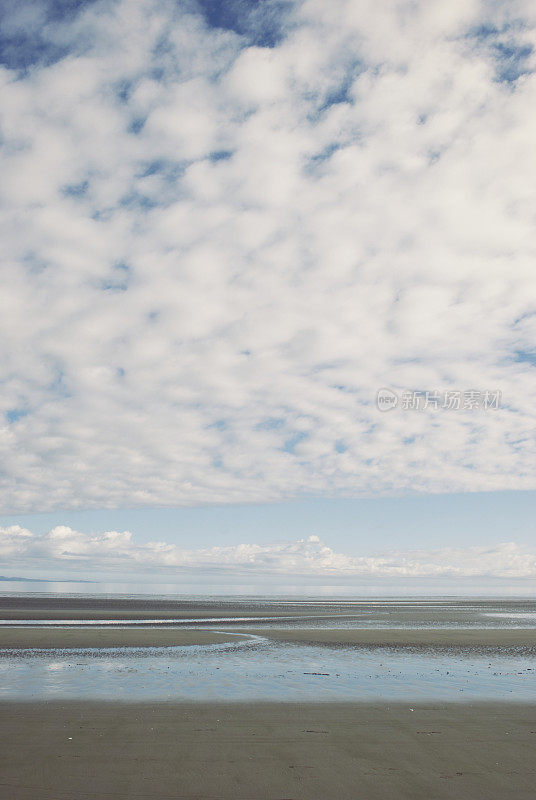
(110, 751)
(56, 746)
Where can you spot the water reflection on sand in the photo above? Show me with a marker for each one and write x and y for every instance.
(260, 669)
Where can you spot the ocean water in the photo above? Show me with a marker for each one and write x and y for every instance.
(260, 668)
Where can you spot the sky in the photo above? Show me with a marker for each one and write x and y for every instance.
(267, 289)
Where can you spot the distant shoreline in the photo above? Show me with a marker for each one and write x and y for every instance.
(43, 580)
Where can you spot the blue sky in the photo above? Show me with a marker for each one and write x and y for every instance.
(226, 226)
(436, 544)
(355, 526)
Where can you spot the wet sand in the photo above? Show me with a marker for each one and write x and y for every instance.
(72, 637)
(12, 608)
(456, 611)
(110, 751)
(65, 638)
(406, 637)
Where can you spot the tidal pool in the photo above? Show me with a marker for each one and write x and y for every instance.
(260, 669)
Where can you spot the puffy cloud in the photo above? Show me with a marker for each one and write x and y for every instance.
(64, 549)
(222, 234)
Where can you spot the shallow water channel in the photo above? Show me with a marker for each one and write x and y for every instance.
(261, 669)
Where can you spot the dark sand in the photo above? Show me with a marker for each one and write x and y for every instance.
(107, 751)
(12, 608)
(434, 612)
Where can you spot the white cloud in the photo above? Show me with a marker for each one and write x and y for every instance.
(66, 550)
(215, 253)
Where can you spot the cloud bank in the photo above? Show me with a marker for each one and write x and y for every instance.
(224, 231)
(65, 550)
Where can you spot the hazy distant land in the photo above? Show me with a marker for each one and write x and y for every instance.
(41, 580)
